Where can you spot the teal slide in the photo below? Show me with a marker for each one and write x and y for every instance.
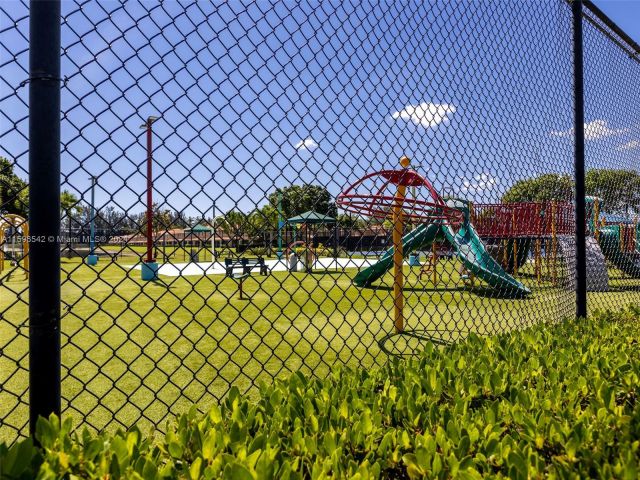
(469, 248)
(473, 254)
(422, 237)
(628, 262)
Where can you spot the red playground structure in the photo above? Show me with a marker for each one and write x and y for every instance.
(517, 227)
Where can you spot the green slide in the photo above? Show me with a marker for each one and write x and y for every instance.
(628, 262)
(473, 254)
(422, 237)
(469, 248)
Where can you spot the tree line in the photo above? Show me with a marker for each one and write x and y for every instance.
(619, 190)
(292, 200)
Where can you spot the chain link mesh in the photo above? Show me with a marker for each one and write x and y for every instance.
(267, 112)
(612, 153)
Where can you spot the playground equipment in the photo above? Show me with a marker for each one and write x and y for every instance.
(306, 222)
(16, 223)
(194, 235)
(430, 213)
(550, 226)
(620, 244)
(469, 249)
(543, 226)
(619, 238)
(293, 258)
(517, 227)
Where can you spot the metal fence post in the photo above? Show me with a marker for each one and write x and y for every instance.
(44, 210)
(578, 98)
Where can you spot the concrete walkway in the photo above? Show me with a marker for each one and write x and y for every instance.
(217, 268)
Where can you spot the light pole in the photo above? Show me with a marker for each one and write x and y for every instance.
(92, 258)
(149, 266)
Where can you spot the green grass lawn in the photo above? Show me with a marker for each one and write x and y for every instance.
(140, 352)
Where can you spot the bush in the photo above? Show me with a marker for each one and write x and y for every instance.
(323, 251)
(556, 401)
(258, 251)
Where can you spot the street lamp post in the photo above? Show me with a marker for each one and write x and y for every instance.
(149, 266)
(92, 258)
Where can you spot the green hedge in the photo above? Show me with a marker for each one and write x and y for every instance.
(553, 400)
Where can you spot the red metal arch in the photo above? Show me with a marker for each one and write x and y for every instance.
(358, 199)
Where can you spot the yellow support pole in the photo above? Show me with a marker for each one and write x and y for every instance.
(398, 274)
(1, 246)
(25, 246)
(505, 256)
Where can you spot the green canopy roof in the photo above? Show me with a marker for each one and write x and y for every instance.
(311, 217)
(198, 229)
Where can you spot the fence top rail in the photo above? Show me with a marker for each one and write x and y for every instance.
(620, 38)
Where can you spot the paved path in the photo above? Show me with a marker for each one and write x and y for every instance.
(217, 268)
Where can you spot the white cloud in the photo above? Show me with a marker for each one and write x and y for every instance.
(592, 130)
(480, 183)
(306, 144)
(426, 114)
(629, 145)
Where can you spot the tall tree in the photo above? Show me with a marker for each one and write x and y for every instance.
(14, 194)
(297, 199)
(352, 222)
(547, 187)
(618, 189)
(162, 221)
(70, 208)
(233, 223)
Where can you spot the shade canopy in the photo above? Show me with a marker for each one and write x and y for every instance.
(199, 229)
(311, 217)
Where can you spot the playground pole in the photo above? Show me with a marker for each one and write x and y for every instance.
(149, 267)
(398, 276)
(578, 99)
(92, 259)
(44, 210)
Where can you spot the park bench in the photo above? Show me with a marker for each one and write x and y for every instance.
(245, 267)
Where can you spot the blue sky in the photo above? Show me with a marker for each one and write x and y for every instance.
(625, 13)
(260, 96)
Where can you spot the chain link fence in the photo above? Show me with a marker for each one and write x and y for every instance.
(612, 156)
(234, 206)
